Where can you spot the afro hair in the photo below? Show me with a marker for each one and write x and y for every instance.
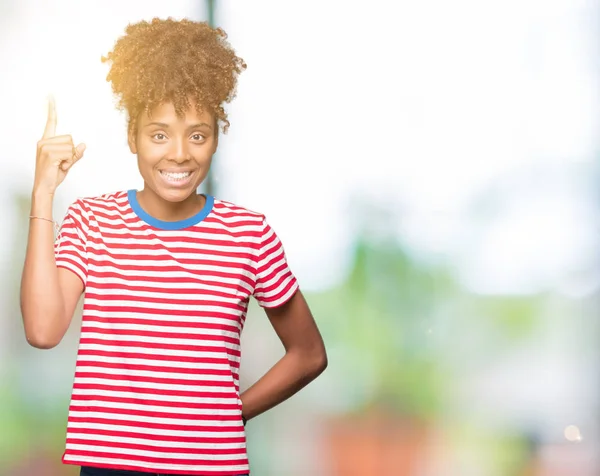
(176, 61)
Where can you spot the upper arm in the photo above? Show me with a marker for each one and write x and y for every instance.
(294, 324)
(278, 293)
(71, 257)
(71, 288)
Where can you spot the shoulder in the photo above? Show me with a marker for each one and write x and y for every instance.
(232, 213)
(86, 209)
(113, 200)
(107, 199)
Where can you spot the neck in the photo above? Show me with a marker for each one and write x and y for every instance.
(164, 210)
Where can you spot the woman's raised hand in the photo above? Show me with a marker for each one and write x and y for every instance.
(55, 156)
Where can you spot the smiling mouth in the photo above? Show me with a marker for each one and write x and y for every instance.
(175, 176)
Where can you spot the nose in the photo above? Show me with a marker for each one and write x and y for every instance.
(179, 152)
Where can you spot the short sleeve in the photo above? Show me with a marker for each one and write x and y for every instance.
(70, 247)
(275, 283)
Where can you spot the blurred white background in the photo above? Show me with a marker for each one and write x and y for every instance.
(467, 130)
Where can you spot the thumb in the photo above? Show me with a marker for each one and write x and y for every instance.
(79, 150)
(77, 154)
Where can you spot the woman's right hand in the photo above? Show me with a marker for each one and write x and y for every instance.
(55, 156)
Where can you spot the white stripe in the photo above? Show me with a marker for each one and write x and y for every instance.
(154, 374)
(152, 431)
(160, 421)
(270, 282)
(132, 234)
(145, 257)
(166, 328)
(131, 340)
(156, 397)
(162, 291)
(176, 304)
(221, 228)
(135, 385)
(155, 408)
(162, 443)
(202, 291)
(158, 453)
(284, 298)
(157, 271)
(161, 363)
(270, 272)
(159, 318)
(191, 339)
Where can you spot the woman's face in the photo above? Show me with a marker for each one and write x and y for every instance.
(174, 153)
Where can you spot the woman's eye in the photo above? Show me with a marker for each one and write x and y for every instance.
(198, 137)
(159, 136)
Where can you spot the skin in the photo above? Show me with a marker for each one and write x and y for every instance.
(162, 142)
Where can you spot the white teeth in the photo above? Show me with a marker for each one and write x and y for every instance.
(176, 175)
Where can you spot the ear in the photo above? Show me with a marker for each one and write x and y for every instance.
(216, 134)
(131, 137)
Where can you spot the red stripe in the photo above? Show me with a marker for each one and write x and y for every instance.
(145, 232)
(173, 269)
(167, 335)
(159, 323)
(160, 345)
(156, 426)
(154, 368)
(169, 253)
(155, 346)
(148, 459)
(159, 437)
(124, 288)
(232, 225)
(159, 312)
(214, 408)
(187, 472)
(65, 260)
(270, 269)
(154, 414)
(100, 275)
(271, 287)
(222, 205)
(170, 449)
(153, 391)
(140, 355)
(238, 267)
(147, 379)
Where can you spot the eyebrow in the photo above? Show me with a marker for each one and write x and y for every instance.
(166, 126)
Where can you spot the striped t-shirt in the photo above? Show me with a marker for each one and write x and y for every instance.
(156, 383)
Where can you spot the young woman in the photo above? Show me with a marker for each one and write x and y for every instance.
(166, 274)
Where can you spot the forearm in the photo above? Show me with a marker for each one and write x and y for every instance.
(42, 303)
(292, 373)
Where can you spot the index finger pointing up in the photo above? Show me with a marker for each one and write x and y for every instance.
(50, 130)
